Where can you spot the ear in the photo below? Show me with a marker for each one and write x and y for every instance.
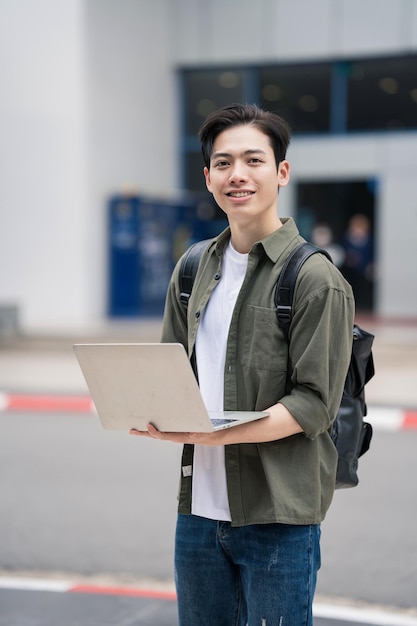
(283, 173)
(207, 177)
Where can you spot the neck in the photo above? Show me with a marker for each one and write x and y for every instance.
(243, 238)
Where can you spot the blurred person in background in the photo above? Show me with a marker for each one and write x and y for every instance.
(358, 265)
(252, 497)
(322, 236)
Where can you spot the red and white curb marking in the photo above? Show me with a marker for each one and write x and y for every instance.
(390, 418)
(381, 417)
(45, 403)
(320, 609)
(66, 586)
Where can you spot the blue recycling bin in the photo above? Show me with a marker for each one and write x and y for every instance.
(146, 237)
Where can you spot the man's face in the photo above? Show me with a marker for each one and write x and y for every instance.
(243, 176)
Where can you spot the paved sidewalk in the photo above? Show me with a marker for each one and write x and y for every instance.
(46, 364)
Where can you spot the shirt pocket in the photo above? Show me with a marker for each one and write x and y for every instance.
(264, 344)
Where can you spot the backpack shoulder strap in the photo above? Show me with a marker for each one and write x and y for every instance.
(284, 291)
(188, 269)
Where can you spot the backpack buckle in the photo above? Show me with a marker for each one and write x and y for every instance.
(184, 297)
(284, 314)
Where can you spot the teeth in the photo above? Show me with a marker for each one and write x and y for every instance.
(240, 194)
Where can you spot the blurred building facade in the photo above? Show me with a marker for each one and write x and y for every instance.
(105, 96)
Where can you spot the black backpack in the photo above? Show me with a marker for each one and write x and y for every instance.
(350, 433)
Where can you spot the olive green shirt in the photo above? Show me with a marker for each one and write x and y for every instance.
(290, 480)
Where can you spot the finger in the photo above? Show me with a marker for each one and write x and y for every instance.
(152, 429)
(138, 433)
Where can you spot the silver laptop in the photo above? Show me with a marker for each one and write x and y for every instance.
(135, 384)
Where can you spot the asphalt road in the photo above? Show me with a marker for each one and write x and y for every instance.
(78, 500)
(32, 608)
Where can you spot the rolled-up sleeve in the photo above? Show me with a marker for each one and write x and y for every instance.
(320, 348)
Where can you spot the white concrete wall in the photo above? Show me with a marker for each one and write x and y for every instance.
(89, 105)
(132, 115)
(42, 155)
(246, 31)
(398, 228)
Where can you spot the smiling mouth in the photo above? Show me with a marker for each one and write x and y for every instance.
(239, 194)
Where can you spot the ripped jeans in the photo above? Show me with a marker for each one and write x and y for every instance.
(258, 575)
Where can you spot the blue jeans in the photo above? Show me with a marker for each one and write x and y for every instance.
(258, 575)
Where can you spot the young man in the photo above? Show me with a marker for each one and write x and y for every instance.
(252, 497)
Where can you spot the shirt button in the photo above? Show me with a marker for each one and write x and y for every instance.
(197, 314)
(217, 277)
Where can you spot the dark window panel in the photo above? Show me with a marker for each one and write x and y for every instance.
(208, 90)
(300, 94)
(194, 177)
(382, 94)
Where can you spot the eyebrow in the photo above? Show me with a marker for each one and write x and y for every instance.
(218, 155)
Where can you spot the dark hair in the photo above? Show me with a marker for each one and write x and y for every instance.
(271, 124)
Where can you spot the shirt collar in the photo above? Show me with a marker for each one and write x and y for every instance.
(280, 240)
(274, 245)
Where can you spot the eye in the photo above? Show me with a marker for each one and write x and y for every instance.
(220, 164)
(255, 160)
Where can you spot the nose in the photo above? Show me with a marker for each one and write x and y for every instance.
(238, 173)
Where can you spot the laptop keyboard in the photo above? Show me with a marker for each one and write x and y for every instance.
(219, 421)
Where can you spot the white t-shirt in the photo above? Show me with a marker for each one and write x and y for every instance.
(209, 473)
